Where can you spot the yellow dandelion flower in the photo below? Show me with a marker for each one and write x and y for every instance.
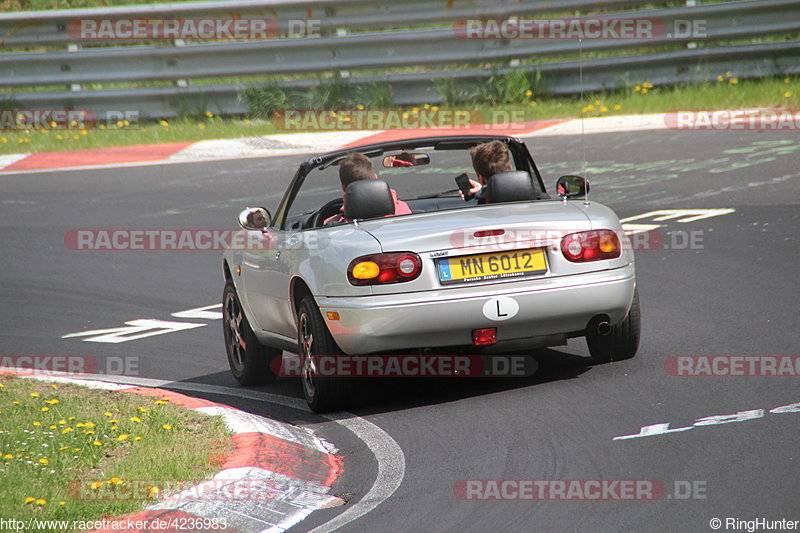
(44, 461)
(201, 126)
(89, 424)
(97, 443)
(53, 125)
(76, 137)
(734, 81)
(209, 114)
(728, 74)
(434, 108)
(45, 409)
(637, 88)
(3, 140)
(427, 106)
(787, 94)
(528, 93)
(415, 110)
(122, 437)
(644, 91)
(108, 413)
(115, 481)
(120, 123)
(34, 395)
(89, 432)
(617, 107)
(137, 438)
(41, 501)
(62, 421)
(37, 423)
(53, 427)
(720, 78)
(114, 427)
(603, 109)
(60, 137)
(66, 430)
(51, 402)
(597, 102)
(405, 115)
(136, 419)
(8, 456)
(590, 107)
(62, 502)
(166, 426)
(54, 386)
(141, 409)
(63, 448)
(84, 132)
(15, 402)
(246, 122)
(29, 500)
(360, 107)
(160, 402)
(76, 449)
(96, 485)
(164, 123)
(113, 421)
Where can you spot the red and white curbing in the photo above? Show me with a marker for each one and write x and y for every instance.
(281, 472)
(303, 143)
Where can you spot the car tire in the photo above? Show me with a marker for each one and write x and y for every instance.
(323, 394)
(623, 340)
(250, 361)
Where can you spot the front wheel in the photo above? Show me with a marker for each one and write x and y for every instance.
(623, 340)
(323, 394)
(250, 361)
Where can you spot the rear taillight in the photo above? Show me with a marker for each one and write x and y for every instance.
(379, 269)
(590, 246)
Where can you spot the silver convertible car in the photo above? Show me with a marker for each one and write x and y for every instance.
(517, 270)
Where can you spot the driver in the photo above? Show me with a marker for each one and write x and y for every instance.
(357, 167)
(488, 159)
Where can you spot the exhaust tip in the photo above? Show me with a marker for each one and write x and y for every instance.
(603, 328)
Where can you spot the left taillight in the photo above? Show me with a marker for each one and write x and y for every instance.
(380, 269)
(590, 246)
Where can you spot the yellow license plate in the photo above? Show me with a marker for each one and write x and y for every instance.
(502, 265)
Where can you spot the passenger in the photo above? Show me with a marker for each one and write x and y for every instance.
(488, 159)
(357, 167)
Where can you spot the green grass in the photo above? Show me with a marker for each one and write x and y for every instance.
(72, 453)
(729, 93)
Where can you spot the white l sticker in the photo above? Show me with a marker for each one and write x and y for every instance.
(500, 308)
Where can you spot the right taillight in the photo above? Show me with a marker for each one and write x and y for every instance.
(590, 246)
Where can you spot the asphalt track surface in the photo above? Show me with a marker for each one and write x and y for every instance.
(736, 294)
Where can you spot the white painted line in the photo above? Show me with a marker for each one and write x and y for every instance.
(690, 215)
(391, 469)
(134, 330)
(201, 313)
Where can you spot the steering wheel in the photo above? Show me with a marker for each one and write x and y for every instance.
(317, 219)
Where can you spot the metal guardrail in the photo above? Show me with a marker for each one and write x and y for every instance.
(392, 49)
(49, 28)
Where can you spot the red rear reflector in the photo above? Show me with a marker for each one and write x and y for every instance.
(484, 337)
(489, 233)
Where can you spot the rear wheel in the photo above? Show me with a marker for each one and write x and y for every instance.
(323, 394)
(250, 361)
(623, 340)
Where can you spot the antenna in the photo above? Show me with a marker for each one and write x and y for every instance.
(583, 116)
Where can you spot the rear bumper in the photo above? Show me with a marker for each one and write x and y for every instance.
(446, 317)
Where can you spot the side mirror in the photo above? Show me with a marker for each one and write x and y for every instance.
(406, 159)
(572, 187)
(255, 218)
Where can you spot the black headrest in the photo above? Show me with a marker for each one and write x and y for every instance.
(368, 199)
(515, 186)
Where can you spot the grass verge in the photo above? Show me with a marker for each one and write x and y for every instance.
(72, 453)
(726, 93)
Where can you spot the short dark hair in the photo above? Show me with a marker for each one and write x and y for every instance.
(355, 167)
(490, 158)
